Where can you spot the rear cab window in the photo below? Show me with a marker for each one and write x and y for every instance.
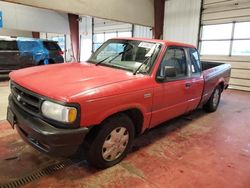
(195, 61)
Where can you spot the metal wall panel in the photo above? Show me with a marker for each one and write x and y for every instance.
(20, 17)
(181, 20)
(108, 26)
(131, 11)
(218, 11)
(142, 32)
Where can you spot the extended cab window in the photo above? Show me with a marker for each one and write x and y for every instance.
(195, 61)
(174, 64)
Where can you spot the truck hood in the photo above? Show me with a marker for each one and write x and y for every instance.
(61, 81)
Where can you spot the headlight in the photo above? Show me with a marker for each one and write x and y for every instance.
(59, 112)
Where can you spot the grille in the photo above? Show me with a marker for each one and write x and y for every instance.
(25, 99)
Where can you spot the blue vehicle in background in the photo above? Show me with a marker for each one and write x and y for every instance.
(21, 53)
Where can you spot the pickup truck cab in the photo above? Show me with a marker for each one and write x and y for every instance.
(127, 86)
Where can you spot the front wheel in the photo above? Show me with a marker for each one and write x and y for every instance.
(214, 100)
(112, 142)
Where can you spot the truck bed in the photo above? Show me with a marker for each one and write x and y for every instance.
(208, 65)
(214, 73)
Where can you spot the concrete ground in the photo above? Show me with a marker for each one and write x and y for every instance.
(200, 150)
(4, 93)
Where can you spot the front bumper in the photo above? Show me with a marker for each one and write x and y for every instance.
(45, 137)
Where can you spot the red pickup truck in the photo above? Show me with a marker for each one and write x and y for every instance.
(127, 86)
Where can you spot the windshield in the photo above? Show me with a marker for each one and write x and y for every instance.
(127, 54)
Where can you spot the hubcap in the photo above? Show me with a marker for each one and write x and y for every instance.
(216, 97)
(115, 144)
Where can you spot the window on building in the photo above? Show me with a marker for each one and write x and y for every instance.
(226, 39)
(241, 42)
(100, 38)
(124, 34)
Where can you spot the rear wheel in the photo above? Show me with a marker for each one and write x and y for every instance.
(112, 142)
(214, 100)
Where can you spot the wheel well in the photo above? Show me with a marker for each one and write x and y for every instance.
(134, 114)
(137, 118)
(221, 84)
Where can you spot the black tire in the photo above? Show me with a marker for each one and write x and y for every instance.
(214, 100)
(96, 149)
(45, 62)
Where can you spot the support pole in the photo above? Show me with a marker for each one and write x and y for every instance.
(159, 6)
(74, 35)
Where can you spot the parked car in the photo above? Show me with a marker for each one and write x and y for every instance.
(127, 86)
(17, 54)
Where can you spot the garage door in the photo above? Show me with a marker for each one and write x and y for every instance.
(106, 29)
(225, 36)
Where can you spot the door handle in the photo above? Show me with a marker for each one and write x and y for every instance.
(188, 85)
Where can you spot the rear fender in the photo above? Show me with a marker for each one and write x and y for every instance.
(221, 81)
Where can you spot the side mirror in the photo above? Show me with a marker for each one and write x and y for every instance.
(169, 71)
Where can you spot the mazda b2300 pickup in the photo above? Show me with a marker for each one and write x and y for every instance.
(127, 86)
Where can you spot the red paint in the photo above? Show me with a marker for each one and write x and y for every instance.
(103, 91)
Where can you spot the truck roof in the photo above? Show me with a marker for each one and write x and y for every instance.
(166, 42)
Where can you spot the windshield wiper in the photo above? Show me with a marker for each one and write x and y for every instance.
(98, 63)
(138, 68)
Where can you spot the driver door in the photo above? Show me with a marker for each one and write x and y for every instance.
(170, 94)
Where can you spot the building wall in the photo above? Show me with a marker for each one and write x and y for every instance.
(142, 32)
(20, 17)
(15, 33)
(131, 11)
(225, 11)
(181, 21)
(234, 12)
(85, 31)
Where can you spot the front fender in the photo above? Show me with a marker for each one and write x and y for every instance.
(96, 111)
